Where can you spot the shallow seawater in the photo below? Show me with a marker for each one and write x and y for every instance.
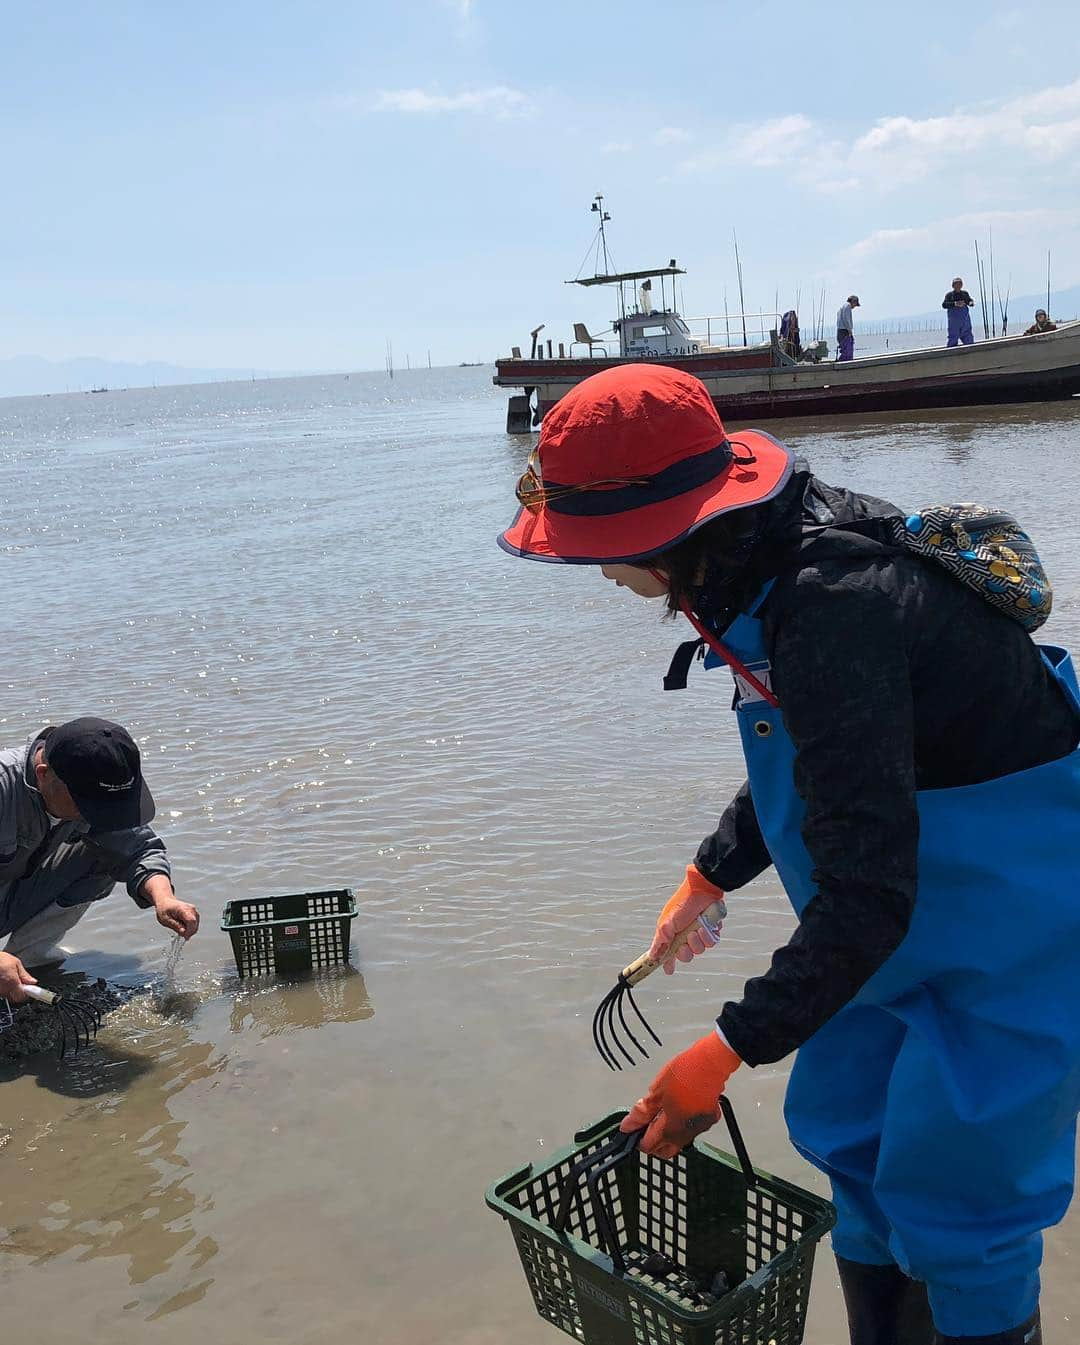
(290, 592)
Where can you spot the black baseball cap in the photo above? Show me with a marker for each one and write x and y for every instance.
(100, 764)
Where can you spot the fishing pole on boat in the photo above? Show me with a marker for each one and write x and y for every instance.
(993, 320)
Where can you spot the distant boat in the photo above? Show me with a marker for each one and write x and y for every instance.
(470, 364)
(99, 389)
(761, 377)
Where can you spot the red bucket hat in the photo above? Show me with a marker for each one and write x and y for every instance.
(631, 461)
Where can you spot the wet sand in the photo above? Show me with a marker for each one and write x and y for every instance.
(290, 591)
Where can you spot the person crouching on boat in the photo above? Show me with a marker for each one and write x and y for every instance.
(73, 814)
(958, 305)
(1042, 323)
(845, 328)
(928, 848)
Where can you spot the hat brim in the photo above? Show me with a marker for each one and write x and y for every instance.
(636, 534)
(117, 814)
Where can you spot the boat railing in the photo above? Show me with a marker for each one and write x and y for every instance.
(734, 329)
(725, 330)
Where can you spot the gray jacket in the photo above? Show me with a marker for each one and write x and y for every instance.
(131, 856)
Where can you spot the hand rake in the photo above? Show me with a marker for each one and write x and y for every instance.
(77, 1020)
(604, 1029)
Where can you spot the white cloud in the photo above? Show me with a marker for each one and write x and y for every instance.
(773, 142)
(957, 231)
(498, 100)
(617, 147)
(765, 144)
(900, 150)
(1001, 139)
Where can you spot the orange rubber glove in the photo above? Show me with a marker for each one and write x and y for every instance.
(683, 1098)
(694, 895)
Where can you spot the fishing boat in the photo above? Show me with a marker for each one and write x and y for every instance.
(756, 375)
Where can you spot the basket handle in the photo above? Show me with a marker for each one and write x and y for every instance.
(596, 1165)
(738, 1143)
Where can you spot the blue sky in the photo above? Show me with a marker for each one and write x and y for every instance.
(286, 185)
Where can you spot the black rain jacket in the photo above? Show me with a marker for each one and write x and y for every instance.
(892, 677)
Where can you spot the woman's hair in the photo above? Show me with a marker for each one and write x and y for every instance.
(721, 543)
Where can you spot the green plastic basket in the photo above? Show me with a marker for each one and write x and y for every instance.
(703, 1212)
(294, 932)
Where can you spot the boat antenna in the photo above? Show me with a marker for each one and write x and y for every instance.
(993, 323)
(742, 301)
(1048, 282)
(598, 207)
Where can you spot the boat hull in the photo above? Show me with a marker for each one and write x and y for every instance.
(1008, 369)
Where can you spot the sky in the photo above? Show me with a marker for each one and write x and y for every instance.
(289, 185)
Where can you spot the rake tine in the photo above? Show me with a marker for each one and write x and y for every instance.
(615, 1002)
(598, 1036)
(62, 1020)
(88, 1015)
(80, 1020)
(624, 1145)
(74, 1023)
(626, 1025)
(641, 1017)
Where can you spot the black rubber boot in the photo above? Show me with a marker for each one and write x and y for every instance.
(885, 1307)
(1028, 1334)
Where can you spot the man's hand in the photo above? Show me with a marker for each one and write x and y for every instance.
(13, 976)
(179, 916)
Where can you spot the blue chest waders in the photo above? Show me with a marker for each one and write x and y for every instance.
(942, 1101)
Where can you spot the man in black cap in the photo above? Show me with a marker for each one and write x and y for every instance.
(73, 814)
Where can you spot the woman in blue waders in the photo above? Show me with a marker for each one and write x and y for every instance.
(913, 774)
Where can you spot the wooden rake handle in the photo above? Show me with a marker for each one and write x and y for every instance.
(645, 965)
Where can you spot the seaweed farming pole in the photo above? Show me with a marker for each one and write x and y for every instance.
(1003, 305)
(742, 300)
(982, 291)
(993, 323)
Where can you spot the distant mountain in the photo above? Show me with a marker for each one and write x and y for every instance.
(30, 375)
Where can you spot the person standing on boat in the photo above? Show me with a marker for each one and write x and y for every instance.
(929, 848)
(1042, 323)
(845, 328)
(73, 814)
(957, 304)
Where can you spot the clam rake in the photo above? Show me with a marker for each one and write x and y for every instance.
(605, 1030)
(77, 1020)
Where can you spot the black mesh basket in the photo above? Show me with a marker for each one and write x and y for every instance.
(699, 1250)
(294, 932)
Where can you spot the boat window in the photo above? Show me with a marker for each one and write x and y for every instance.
(654, 331)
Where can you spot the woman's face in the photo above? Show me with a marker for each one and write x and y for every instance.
(645, 583)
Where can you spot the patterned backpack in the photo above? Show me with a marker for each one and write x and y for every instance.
(985, 549)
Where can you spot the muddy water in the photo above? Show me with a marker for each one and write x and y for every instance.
(290, 591)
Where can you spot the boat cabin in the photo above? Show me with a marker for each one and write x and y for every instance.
(655, 333)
